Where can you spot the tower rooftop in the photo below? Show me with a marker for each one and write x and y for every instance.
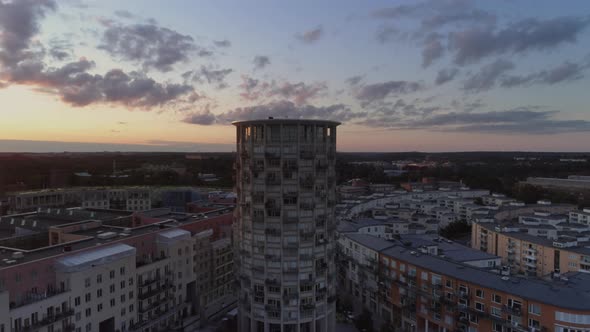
(272, 120)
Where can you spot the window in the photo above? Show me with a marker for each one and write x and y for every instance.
(78, 316)
(479, 293)
(123, 311)
(88, 312)
(122, 270)
(535, 309)
(87, 282)
(99, 278)
(99, 292)
(77, 301)
(463, 289)
(130, 295)
(534, 323)
(479, 306)
(99, 307)
(112, 302)
(131, 308)
(112, 274)
(88, 327)
(449, 283)
(122, 298)
(130, 281)
(122, 284)
(474, 319)
(495, 311)
(112, 288)
(496, 327)
(87, 297)
(496, 298)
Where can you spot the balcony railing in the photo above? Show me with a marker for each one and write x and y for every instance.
(47, 320)
(34, 297)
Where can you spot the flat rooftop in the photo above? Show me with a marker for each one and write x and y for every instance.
(573, 294)
(88, 238)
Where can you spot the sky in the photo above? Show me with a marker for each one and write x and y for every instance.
(433, 76)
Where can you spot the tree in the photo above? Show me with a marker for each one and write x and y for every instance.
(364, 322)
(456, 229)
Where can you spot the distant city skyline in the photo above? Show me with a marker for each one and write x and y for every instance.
(432, 76)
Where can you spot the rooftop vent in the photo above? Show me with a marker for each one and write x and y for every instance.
(106, 235)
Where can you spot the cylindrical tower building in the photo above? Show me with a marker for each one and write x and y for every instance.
(284, 230)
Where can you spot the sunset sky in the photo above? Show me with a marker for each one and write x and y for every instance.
(141, 75)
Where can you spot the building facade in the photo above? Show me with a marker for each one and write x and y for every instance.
(115, 275)
(408, 289)
(284, 233)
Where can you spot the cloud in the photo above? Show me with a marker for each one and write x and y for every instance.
(18, 24)
(76, 86)
(487, 76)
(222, 43)
(378, 91)
(202, 117)
(124, 14)
(74, 82)
(60, 49)
(277, 109)
(387, 33)
(311, 36)
(528, 120)
(209, 75)
(445, 75)
(397, 12)
(354, 80)
(432, 50)
(473, 44)
(250, 89)
(565, 72)
(261, 61)
(435, 12)
(465, 16)
(299, 93)
(150, 45)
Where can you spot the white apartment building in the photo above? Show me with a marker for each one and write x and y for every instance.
(582, 217)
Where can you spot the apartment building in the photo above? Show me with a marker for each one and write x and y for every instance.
(284, 233)
(32, 200)
(420, 290)
(581, 217)
(130, 199)
(92, 275)
(537, 250)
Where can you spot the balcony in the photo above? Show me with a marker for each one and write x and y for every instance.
(306, 155)
(161, 288)
(307, 306)
(155, 304)
(30, 298)
(48, 320)
(161, 316)
(290, 219)
(273, 181)
(513, 310)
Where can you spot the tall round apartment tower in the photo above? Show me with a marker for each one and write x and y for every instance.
(284, 230)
